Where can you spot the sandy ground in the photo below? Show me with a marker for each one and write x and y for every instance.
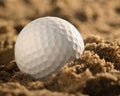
(95, 73)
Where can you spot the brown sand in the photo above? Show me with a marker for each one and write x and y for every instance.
(95, 73)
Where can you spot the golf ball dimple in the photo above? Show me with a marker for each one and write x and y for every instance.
(45, 45)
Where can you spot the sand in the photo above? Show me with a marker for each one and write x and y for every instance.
(95, 73)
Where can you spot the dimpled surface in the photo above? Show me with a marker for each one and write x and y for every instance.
(45, 45)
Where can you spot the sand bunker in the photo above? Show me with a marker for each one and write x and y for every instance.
(95, 73)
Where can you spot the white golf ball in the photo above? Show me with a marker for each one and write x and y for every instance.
(45, 45)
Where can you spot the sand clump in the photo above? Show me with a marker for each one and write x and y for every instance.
(77, 77)
(108, 50)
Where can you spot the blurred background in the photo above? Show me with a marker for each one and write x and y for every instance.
(91, 17)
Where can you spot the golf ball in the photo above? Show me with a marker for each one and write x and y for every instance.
(45, 45)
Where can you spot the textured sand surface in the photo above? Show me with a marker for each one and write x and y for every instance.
(95, 73)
